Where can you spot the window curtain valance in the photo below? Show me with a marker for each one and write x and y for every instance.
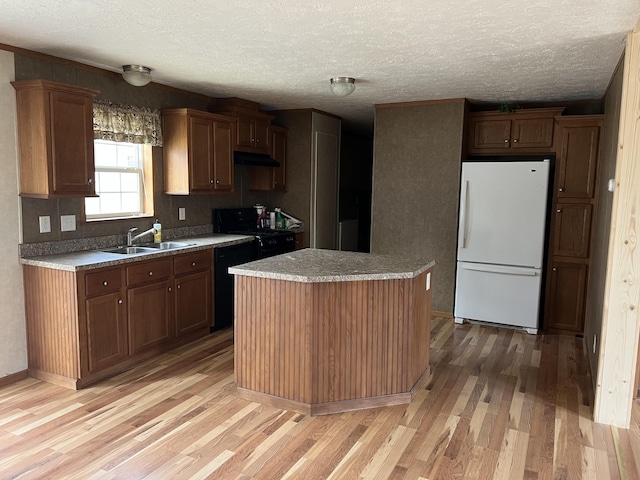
(126, 123)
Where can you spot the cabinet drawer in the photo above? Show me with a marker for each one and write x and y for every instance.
(148, 272)
(192, 262)
(99, 283)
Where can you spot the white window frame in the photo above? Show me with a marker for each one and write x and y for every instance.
(143, 184)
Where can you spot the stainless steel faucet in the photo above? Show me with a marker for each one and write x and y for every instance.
(131, 238)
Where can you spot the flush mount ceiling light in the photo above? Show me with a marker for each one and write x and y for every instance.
(136, 75)
(342, 86)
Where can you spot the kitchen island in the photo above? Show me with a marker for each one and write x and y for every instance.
(323, 331)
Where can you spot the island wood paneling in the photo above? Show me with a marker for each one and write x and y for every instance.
(52, 337)
(328, 347)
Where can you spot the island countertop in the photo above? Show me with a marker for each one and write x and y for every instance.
(315, 265)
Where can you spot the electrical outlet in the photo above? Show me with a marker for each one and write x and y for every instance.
(67, 223)
(595, 343)
(182, 213)
(45, 224)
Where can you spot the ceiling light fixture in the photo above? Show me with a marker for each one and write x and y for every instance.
(136, 75)
(342, 86)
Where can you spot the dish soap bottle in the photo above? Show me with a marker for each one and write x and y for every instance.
(279, 219)
(157, 234)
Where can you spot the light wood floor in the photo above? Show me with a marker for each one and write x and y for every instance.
(500, 405)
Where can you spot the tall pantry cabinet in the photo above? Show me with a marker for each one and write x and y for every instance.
(577, 145)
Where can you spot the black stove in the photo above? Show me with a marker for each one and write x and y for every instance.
(244, 221)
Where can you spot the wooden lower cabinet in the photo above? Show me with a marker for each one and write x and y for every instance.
(88, 325)
(149, 315)
(193, 302)
(106, 331)
(565, 305)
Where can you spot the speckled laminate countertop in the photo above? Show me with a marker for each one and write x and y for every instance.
(314, 266)
(88, 260)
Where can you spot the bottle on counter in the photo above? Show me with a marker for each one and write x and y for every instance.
(272, 219)
(157, 232)
(279, 219)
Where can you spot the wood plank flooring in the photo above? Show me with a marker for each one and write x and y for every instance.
(500, 405)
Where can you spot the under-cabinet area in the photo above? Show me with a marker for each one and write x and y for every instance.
(84, 325)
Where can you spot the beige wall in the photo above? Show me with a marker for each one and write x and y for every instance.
(13, 349)
(600, 245)
(416, 176)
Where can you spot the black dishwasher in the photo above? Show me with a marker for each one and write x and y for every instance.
(225, 257)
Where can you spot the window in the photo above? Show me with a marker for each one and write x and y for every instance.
(123, 181)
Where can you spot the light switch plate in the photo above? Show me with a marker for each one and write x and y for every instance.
(67, 223)
(428, 281)
(182, 213)
(45, 224)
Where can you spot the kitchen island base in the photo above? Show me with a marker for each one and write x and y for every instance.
(321, 347)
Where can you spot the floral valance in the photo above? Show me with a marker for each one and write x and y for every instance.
(126, 123)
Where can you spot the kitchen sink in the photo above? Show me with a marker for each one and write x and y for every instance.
(129, 250)
(147, 248)
(166, 245)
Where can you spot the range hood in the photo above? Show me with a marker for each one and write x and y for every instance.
(257, 159)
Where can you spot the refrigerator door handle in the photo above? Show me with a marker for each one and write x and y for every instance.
(462, 234)
(529, 272)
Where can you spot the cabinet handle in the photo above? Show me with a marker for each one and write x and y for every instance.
(515, 140)
(105, 283)
(90, 181)
(217, 181)
(253, 140)
(211, 181)
(554, 269)
(506, 140)
(559, 210)
(193, 264)
(150, 273)
(120, 302)
(561, 189)
(169, 288)
(178, 286)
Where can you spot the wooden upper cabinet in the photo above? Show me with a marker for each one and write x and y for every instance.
(55, 138)
(197, 152)
(252, 132)
(272, 178)
(223, 155)
(252, 126)
(523, 131)
(279, 154)
(578, 146)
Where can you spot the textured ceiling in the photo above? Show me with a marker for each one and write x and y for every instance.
(281, 53)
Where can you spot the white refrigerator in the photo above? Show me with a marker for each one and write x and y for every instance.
(501, 237)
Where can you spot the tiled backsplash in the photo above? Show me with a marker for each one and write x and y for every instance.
(96, 243)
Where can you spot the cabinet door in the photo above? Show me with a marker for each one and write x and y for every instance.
(72, 143)
(262, 135)
(193, 302)
(223, 156)
(532, 133)
(106, 331)
(245, 134)
(201, 145)
(149, 315)
(279, 153)
(577, 163)
(572, 228)
(490, 134)
(567, 297)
